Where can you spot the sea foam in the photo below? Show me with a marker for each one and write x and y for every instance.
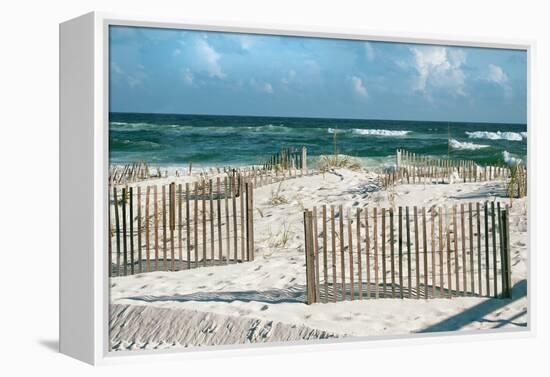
(455, 144)
(498, 135)
(509, 159)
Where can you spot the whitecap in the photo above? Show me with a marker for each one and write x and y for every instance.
(498, 135)
(376, 132)
(509, 159)
(464, 145)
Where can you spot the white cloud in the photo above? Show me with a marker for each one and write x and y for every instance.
(267, 88)
(264, 87)
(497, 75)
(188, 77)
(369, 51)
(439, 67)
(210, 57)
(290, 76)
(358, 86)
(132, 80)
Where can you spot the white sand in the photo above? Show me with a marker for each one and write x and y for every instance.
(272, 288)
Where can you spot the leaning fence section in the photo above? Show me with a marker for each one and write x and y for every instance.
(287, 158)
(408, 252)
(133, 172)
(180, 226)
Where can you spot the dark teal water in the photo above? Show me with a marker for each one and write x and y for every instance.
(164, 139)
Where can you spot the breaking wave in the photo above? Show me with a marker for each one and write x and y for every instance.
(464, 145)
(498, 135)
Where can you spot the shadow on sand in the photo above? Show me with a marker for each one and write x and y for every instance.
(479, 311)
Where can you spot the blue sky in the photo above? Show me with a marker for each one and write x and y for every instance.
(195, 72)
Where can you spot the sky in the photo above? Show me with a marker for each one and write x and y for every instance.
(196, 72)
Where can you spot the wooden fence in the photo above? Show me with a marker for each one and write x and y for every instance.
(181, 226)
(287, 158)
(370, 253)
(136, 171)
(417, 169)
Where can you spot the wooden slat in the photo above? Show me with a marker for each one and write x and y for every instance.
(188, 225)
(487, 267)
(227, 226)
(180, 226)
(478, 223)
(425, 251)
(234, 216)
(494, 236)
(203, 207)
(172, 207)
(196, 224)
(400, 234)
(359, 262)
(375, 250)
(384, 253)
(131, 220)
(441, 262)
(124, 233)
(409, 267)
(455, 244)
(147, 232)
(434, 277)
(164, 237)
(448, 235)
(367, 251)
(212, 225)
(243, 221)
(140, 268)
(471, 239)
(316, 254)
(333, 239)
(117, 230)
(350, 252)
(416, 251)
(325, 255)
(392, 255)
(501, 248)
(463, 243)
(342, 256)
(309, 296)
(219, 219)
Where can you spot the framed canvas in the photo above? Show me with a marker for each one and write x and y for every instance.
(235, 188)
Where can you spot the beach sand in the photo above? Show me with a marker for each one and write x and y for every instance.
(264, 300)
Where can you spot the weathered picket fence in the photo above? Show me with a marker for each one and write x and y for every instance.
(369, 253)
(181, 226)
(287, 158)
(133, 172)
(418, 169)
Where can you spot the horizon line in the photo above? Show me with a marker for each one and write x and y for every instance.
(314, 117)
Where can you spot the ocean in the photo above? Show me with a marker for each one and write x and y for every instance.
(204, 140)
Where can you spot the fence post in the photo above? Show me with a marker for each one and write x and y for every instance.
(310, 273)
(304, 158)
(506, 243)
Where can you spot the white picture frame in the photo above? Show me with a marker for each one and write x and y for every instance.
(84, 98)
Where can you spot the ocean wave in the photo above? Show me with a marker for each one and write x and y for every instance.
(134, 144)
(509, 159)
(390, 133)
(498, 135)
(371, 132)
(524, 134)
(464, 145)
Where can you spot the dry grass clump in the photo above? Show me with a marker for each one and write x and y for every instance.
(277, 198)
(327, 162)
